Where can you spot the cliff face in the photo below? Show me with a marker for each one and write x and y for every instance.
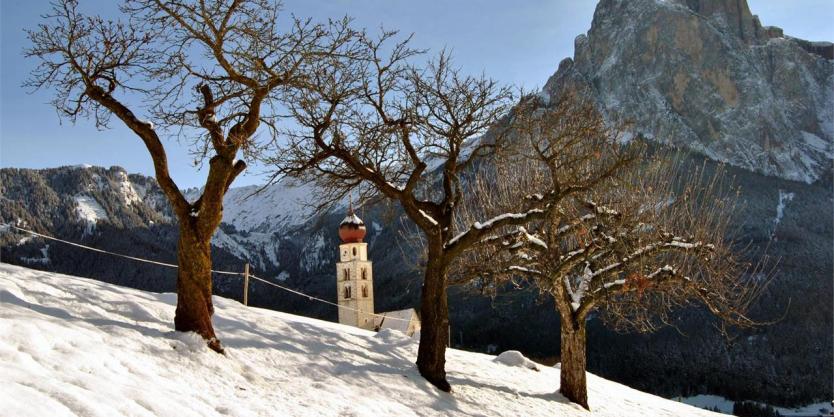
(706, 75)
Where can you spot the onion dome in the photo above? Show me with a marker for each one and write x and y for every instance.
(352, 228)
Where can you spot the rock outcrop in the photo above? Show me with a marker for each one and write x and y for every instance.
(706, 75)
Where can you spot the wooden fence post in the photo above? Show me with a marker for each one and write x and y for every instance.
(246, 284)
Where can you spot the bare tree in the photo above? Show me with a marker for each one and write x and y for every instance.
(205, 72)
(638, 245)
(409, 132)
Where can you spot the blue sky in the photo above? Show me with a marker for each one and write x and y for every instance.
(517, 42)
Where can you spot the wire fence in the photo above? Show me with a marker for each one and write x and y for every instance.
(240, 274)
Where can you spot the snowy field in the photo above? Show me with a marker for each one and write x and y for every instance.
(725, 405)
(78, 347)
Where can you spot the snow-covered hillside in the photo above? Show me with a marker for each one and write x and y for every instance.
(78, 347)
(278, 206)
(258, 214)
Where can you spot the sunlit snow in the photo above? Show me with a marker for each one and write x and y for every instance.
(78, 347)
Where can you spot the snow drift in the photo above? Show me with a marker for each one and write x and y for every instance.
(77, 347)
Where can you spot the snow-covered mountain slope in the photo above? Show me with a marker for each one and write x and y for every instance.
(277, 207)
(80, 198)
(255, 217)
(77, 347)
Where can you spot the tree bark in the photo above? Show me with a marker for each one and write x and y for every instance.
(194, 306)
(573, 384)
(434, 321)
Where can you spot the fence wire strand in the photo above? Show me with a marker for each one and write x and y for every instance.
(309, 297)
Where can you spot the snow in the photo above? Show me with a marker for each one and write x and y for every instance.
(276, 207)
(89, 211)
(784, 198)
(708, 401)
(683, 245)
(516, 359)
(726, 406)
(223, 240)
(125, 189)
(397, 321)
(429, 218)
(283, 276)
(489, 223)
(77, 347)
(523, 269)
(263, 215)
(581, 287)
(533, 238)
(352, 219)
(608, 285)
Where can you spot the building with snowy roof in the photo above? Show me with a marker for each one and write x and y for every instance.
(406, 321)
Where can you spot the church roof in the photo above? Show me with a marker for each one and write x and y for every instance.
(352, 218)
(402, 319)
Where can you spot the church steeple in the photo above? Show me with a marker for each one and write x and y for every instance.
(354, 274)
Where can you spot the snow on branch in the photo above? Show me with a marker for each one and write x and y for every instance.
(589, 276)
(532, 238)
(429, 218)
(497, 219)
(562, 230)
(517, 268)
(478, 228)
(666, 270)
(598, 209)
(645, 250)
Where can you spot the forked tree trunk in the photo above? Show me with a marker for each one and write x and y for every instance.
(434, 323)
(194, 306)
(573, 383)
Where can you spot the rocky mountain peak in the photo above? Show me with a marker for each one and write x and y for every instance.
(706, 75)
(734, 15)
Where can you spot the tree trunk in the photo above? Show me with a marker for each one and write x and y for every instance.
(194, 306)
(434, 322)
(573, 384)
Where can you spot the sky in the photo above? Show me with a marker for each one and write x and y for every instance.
(516, 42)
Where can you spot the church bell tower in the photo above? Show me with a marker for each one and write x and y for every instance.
(354, 275)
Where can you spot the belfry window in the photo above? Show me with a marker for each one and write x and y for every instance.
(364, 291)
(347, 292)
(364, 274)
